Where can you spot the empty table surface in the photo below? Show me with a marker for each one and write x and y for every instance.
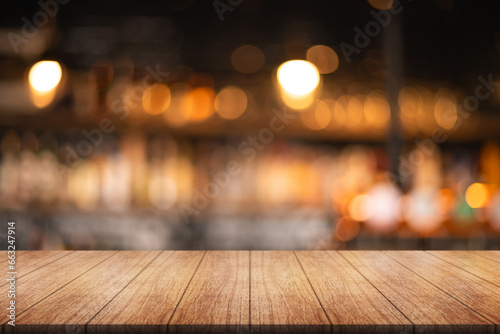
(255, 292)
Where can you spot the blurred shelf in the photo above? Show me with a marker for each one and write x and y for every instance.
(63, 121)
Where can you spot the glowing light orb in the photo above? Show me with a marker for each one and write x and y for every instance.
(422, 213)
(359, 207)
(476, 195)
(298, 77)
(45, 75)
(384, 207)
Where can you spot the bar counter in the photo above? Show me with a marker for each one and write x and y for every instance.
(255, 292)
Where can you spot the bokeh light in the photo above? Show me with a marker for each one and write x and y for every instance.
(355, 111)
(176, 116)
(422, 215)
(410, 105)
(198, 103)
(231, 102)
(317, 117)
(297, 102)
(156, 99)
(298, 77)
(377, 111)
(445, 111)
(359, 207)
(45, 75)
(324, 58)
(83, 186)
(338, 113)
(385, 208)
(247, 59)
(42, 99)
(476, 195)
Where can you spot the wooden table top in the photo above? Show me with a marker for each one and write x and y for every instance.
(255, 292)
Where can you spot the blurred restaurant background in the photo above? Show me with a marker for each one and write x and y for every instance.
(250, 124)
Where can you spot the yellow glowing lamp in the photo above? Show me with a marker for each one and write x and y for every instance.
(298, 77)
(45, 75)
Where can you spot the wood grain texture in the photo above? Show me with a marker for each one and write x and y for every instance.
(265, 292)
(72, 306)
(471, 290)
(3, 256)
(217, 298)
(427, 307)
(148, 302)
(472, 263)
(352, 303)
(28, 261)
(282, 300)
(35, 286)
(492, 255)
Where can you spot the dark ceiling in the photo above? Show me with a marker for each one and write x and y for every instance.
(446, 41)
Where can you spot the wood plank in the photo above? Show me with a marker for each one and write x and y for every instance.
(473, 291)
(472, 263)
(298, 292)
(492, 255)
(217, 299)
(430, 309)
(29, 261)
(3, 256)
(73, 305)
(148, 302)
(352, 303)
(282, 300)
(38, 284)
